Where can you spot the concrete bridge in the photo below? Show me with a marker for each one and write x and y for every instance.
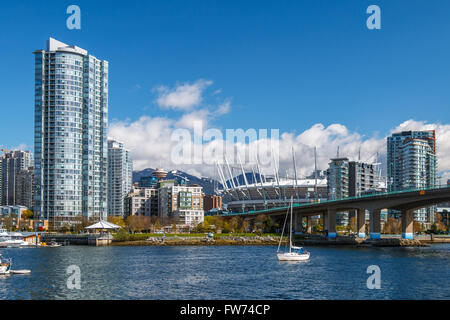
(406, 201)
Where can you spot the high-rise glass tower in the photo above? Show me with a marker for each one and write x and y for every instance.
(11, 164)
(412, 164)
(71, 118)
(411, 160)
(120, 171)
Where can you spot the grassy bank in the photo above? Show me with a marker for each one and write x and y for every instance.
(123, 236)
(193, 239)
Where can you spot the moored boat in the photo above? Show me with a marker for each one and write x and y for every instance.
(5, 265)
(294, 253)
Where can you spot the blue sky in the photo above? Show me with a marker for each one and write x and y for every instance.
(281, 64)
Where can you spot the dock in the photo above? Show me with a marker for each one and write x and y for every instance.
(85, 239)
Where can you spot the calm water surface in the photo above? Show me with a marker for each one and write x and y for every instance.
(227, 273)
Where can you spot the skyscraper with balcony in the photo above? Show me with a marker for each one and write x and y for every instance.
(120, 171)
(71, 118)
(412, 164)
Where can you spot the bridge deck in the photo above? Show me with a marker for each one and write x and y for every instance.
(323, 205)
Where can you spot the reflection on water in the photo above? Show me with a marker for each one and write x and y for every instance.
(227, 273)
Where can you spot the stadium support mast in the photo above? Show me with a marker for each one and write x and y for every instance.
(275, 169)
(259, 170)
(245, 176)
(243, 172)
(222, 177)
(261, 180)
(231, 175)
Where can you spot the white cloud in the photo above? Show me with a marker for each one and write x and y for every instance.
(151, 145)
(184, 96)
(223, 108)
(149, 140)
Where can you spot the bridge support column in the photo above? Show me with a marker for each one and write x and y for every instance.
(361, 223)
(408, 224)
(331, 223)
(308, 225)
(324, 217)
(375, 224)
(298, 223)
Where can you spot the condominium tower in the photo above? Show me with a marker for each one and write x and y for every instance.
(411, 160)
(12, 164)
(71, 116)
(351, 178)
(120, 171)
(412, 164)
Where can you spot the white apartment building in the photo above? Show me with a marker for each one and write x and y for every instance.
(120, 172)
(183, 202)
(141, 201)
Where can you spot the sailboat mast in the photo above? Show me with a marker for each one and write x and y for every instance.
(290, 228)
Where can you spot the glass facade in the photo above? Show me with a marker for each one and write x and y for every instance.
(71, 112)
(412, 164)
(120, 174)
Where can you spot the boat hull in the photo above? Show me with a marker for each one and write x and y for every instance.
(292, 256)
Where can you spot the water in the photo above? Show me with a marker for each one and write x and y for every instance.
(227, 273)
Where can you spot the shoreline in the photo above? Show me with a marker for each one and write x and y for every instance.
(273, 241)
(201, 241)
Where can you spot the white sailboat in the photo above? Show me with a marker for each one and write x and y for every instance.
(294, 253)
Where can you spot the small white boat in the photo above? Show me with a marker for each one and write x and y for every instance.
(294, 253)
(53, 245)
(5, 265)
(24, 271)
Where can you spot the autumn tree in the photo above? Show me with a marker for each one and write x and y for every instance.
(117, 220)
(352, 224)
(392, 226)
(155, 223)
(27, 214)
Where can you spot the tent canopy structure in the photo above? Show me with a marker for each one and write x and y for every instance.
(103, 225)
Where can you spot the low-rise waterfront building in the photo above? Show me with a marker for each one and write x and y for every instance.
(212, 201)
(444, 213)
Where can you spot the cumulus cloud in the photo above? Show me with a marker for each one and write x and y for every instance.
(154, 141)
(151, 143)
(183, 96)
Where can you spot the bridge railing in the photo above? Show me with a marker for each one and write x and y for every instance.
(365, 196)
